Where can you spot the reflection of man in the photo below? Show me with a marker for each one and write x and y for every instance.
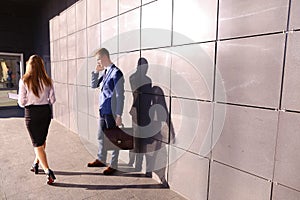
(111, 101)
(141, 86)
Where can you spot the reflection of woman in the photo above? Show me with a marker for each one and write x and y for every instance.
(163, 115)
(9, 78)
(36, 94)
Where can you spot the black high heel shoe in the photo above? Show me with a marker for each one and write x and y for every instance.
(35, 168)
(50, 177)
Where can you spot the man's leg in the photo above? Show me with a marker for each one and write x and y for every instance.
(111, 123)
(102, 153)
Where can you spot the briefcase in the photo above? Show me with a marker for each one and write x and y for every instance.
(118, 139)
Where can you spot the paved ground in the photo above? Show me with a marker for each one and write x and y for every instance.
(67, 157)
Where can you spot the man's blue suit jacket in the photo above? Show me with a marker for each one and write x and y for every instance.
(111, 97)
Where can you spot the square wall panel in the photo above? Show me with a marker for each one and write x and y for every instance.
(129, 31)
(127, 117)
(294, 15)
(81, 15)
(228, 183)
(62, 114)
(93, 39)
(71, 46)
(126, 5)
(82, 72)
(288, 150)
(60, 93)
(156, 30)
(250, 66)
(58, 113)
(82, 99)
(51, 26)
(91, 66)
(93, 130)
(56, 50)
(156, 160)
(62, 72)
(159, 68)
(291, 85)
(247, 140)
(83, 125)
(192, 125)
(189, 20)
(63, 29)
(147, 1)
(109, 35)
(72, 95)
(128, 63)
(72, 72)
(193, 185)
(55, 27)
(51, 51)
(250, 17)
(63, 48)
(93, 101)
(53, 69)
(81, 44)
(114, 58)
(153, 115)
(193, 68)
(93, 12)
(280, 192)
(109, 9)
(71, 19)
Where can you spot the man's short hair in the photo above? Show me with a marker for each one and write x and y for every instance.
(102, 52)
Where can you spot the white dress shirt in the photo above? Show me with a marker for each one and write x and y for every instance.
(27, 97)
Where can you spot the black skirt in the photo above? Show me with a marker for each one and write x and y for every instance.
(38, 118)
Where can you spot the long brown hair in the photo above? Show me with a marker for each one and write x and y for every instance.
(36, 77)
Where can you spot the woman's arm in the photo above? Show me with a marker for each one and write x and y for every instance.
(22, 97)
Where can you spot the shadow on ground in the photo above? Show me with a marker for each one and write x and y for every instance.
(11, 111)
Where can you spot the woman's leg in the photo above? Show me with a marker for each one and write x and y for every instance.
(36, 160)
(41, 156)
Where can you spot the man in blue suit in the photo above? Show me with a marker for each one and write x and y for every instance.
(111, 103)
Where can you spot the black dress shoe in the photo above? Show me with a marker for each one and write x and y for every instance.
(35, 168)
(50, 177)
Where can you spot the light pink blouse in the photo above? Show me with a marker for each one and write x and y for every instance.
(26, 97)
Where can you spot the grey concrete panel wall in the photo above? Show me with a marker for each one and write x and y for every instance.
(282, 192)
(287, 157)
(241, 18)
(190, 18)
(291, 96)
(179, 172)
(226, 72)
(245, 66)
(228, 183)
(295, 10)
(248, 139)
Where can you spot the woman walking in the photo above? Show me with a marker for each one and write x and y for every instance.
(36, 93)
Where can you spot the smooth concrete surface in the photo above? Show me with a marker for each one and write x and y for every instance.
(68, 157)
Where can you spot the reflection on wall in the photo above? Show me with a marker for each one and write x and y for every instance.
(9, 73)
(225, 74)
